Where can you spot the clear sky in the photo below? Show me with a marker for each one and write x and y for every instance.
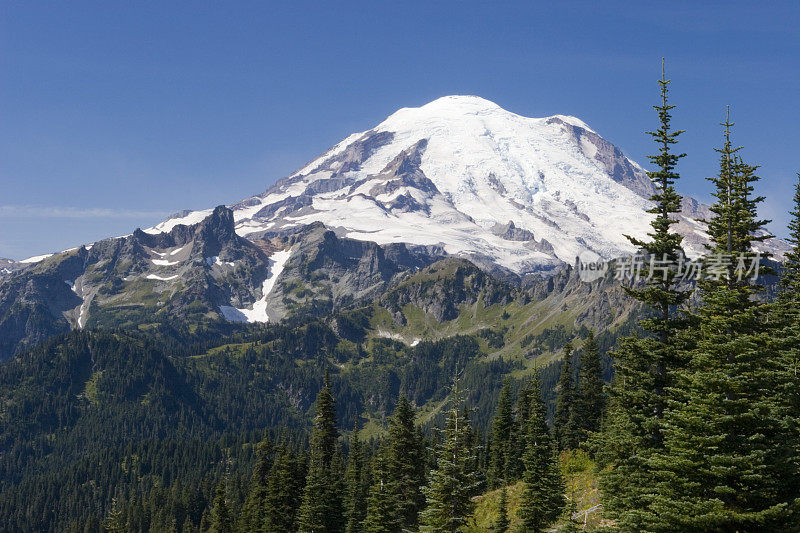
(114, 115)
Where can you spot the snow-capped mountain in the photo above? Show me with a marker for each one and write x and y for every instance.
(458, 176)
(473, 179)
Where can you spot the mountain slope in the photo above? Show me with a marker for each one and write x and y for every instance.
(459, 176)
(195, 274)
(464, 175)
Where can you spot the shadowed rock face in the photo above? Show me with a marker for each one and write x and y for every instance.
(326, 272)
(188, 274)
(610, 158)
(441, 288)
(131, 280)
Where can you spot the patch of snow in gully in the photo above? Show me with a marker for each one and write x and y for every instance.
(259, 311)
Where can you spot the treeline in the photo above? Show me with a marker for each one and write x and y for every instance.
(155, 419)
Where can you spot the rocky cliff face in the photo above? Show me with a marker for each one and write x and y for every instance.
(326, 272)
(195, 273)
(440, 289)
(185, 273)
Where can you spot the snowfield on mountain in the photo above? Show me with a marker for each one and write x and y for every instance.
(466, 176)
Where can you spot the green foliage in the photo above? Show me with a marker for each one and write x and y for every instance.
(500, 469)
(543, 495)
(221, 519)
(645, 367)
(115, 521)
(522, 410)
(357, 483)
(565, 421)
(549, 340)
(790, 278)
(590, 401)
(284, 490)
(322, 508)
(381, 510)
(405, 466)
(254, 511)
(453, 482)
(495, 338)
(502, 522)
(723, 466)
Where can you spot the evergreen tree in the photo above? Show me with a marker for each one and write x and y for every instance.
(115, 521)
(499, 471)
(221, 519)
(590, 403)
(357, 486)
(322, 507)
(543, 494)
(502, 522)
(724, 465)
(475, 455)
(662, 292)
(406, 465)
(522, 411)
(381, 510)
(254, 512)
(452, 483)
(790, 276)
(786, 340)
(564, 422)
(645, 367)
(284, 490)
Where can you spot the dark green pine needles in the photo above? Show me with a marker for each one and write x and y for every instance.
(453, 482)
(322, 508)
(564, 420)
(590, 401)
(501, 457)
(724, 463)
(543, 492)
(645, 367)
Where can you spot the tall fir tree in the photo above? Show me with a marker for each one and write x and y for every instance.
(322, 508)
(255, 508)
(724, 464)
(790, 276)
(221, 519)
(644, 367)
(381, 514)
(115, 521)
(543, 493)
(522, 410)
(662, 292)
(786, 340)
(591, 401)
(284, 490)
(452, 483)
(499, 471)
(357, 481)
(564, 420)
(502, 522)
(406, 466)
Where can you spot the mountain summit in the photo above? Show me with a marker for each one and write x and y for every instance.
(466, 176)
(459, 176)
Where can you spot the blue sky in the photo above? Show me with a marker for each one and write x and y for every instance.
(113, 115)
